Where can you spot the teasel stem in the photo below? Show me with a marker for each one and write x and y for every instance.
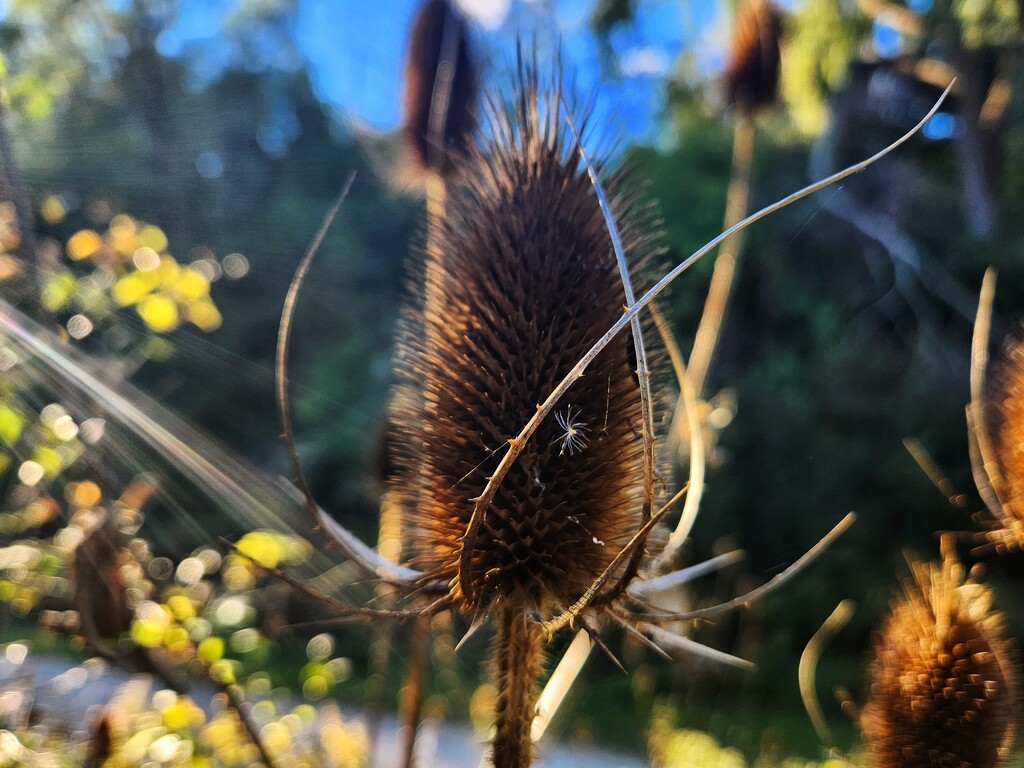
(245, 720)
(518, 649)
(412, 692)
(737, 202)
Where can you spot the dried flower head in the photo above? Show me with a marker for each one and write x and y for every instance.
(440, 87)
(528, 282)
(942, 684)
(752, 71)
(99, 592)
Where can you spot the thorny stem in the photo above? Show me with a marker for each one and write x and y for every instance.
(228, 689)
(518, 443)
(412, 693)
(517, 660)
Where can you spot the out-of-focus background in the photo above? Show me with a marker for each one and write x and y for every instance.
(230, 126)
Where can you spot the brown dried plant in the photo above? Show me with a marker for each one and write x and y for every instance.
(440, 88)
(943, 688)
(531, 484)
(752, 69)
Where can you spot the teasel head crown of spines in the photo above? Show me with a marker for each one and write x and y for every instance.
(752, 69)
(440, 89)
(943, 686)
(529, 283)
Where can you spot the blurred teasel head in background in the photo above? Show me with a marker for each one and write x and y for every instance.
(942, 680)
(440, 89)
(752, 69)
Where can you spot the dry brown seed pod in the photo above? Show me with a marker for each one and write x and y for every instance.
(942, 681)
(752, 71)
(528, 281)
(440, 88)
(99, 593)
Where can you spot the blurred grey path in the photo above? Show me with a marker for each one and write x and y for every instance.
(65, 691)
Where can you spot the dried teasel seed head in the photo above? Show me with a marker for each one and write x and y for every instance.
(523, 282)
(98, 590)
(752, 71)
(942, 683)
(440, 88)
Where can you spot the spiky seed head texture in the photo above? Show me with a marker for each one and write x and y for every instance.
(524, 282)
(752, 70)
(440, 88)
(942, 682)
(1005, 413)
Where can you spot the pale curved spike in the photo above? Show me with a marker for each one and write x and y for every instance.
(518, 443)
(756, 594)
(636, 633)
(676, 642)
(561, 680)
(645, 589)
(363, 554)
(688, 398)
(984, 466)
(351, 547)
(478, 621)
(809, 666)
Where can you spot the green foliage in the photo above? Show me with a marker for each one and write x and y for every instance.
(821, 40)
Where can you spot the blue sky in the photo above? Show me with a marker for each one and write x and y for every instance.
(355, 49)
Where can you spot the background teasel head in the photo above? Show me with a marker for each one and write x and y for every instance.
(440, 88)
(752, 70)
(528, 284)
(942, 683)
